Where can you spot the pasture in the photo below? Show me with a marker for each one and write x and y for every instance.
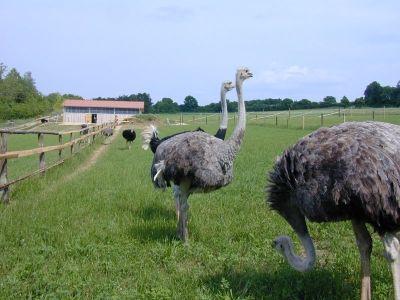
(106, 233)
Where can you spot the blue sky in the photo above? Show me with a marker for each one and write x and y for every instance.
(297, 49)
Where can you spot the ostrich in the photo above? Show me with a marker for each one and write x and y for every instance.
(346, 172)
(225, 87)
(198, 162)
(150, 135)
(129, 135)
(84, 129)
(108, 131)
(43, 120)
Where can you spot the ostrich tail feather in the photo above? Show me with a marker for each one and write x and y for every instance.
(147, 134)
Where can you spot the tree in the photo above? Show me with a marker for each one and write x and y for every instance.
(359, 102)
(166, 105)
(72, 96)
(373, 94)
(190, 104)
(345, 101)
(3, 69)
(287, 103)
(329, 101)
(147, 101)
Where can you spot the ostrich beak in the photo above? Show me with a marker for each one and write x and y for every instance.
(250, 74)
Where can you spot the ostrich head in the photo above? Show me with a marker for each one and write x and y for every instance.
(281, 243)
(284, 245)
(243, 74)
(227, 86)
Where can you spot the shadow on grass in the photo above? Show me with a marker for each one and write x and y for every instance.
(148, 232)
(284, 283)
(158, 224)
(156, 212)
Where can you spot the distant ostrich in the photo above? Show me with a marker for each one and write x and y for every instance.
(43, 120)
(150, 135)
(129, 135)
(346, 172)
(86, 129)
(197, 161)
(108, 131)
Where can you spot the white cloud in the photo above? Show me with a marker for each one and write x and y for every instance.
(294, 73)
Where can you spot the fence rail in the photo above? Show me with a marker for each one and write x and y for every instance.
(87, 134)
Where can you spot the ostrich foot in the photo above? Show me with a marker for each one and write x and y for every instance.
(392, 254)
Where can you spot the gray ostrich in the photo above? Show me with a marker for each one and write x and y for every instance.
(150, 134)
(197, 162)
(346, 172)
(226, 86)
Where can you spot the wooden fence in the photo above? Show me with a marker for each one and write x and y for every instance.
(87, 136)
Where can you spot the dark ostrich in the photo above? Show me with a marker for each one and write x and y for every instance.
(150, 136)
(346, 172)
(43, 120)
(129, 135)
(84, 129)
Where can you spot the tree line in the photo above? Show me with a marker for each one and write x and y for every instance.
(19, 98)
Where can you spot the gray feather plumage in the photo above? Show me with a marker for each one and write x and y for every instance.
(200, 157)
(349, 171)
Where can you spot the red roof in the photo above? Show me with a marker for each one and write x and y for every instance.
(104, 103)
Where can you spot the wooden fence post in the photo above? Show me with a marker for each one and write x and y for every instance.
(60, 141)
(373, 115)
(72, 145)
(303, 122)
(322, 119)
(234, 118)
(276, 120)
(344, 117)
(4, 193)
(384, 112)
(42, 162)
(339, 112)
(193, 119)
(206, 119)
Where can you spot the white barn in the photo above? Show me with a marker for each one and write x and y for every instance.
(99, 111)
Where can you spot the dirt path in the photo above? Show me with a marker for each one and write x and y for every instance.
(86, 165)
(93, 158)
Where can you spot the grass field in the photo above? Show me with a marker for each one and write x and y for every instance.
(106, 233)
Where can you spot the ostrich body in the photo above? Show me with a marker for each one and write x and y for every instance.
(108, 132)
(197, 162)
(155, 141)
(346, 172)
(44, 120)
(129, 135)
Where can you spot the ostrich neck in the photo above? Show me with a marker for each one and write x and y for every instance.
(299, 263)
(224, 107)
(237, 136)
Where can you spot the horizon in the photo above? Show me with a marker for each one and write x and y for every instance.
(171, 50)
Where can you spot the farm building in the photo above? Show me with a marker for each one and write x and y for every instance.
(99, 111)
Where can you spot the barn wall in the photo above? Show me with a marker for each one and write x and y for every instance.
(79, 115)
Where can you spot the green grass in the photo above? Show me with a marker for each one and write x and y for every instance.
(108, 234)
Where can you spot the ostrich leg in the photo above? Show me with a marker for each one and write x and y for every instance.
(183, 233)
(364, 244)
(176, 196)
(392, 254)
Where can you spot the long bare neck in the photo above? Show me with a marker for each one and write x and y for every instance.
(224, 108)
(299, 263)
(237, 136)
